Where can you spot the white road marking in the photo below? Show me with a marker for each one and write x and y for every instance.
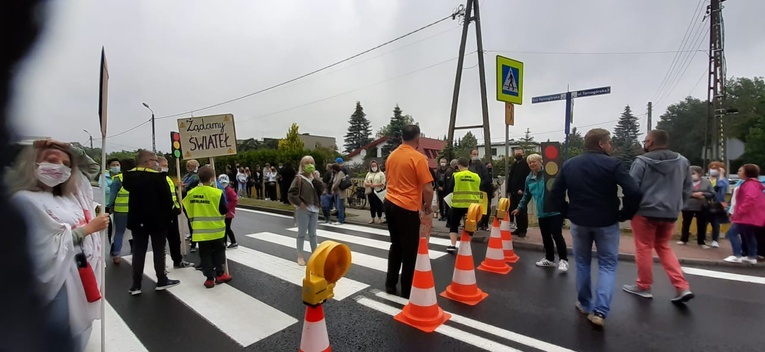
(444, 329)
(242, 317)
(287, 270)
(384, 232)
(725, 276)
(491, 329)
(363, 241)
(119, 338)
(365, 260)
(265, 213)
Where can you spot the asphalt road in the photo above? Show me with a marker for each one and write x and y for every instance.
(529, 309)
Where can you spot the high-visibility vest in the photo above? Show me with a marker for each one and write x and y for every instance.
(123, 197)
(201, 205)
(466, 189)
(172, 190)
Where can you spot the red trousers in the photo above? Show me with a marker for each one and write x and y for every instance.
(655, 235)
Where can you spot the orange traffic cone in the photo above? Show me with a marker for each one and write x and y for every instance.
(507, 240)
(495, 257)
(422, 311)
(463, 288)
(314, 338)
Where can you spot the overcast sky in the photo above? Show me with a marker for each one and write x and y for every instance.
(178, 56)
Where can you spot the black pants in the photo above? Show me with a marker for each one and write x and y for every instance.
(455, 218)
(212, 254)
(259, 190)
(701, 226)
(442, 207)
(283, 188)
(141, 240)
(404, 228)
(229, 232)
(552, 236)
(375, 205)
(249, 190)
(522, 219)
(271, 191)
(174, 240)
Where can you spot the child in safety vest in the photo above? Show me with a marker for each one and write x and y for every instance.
(206, 208)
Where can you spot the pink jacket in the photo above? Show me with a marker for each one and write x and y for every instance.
(750, 204)
(231, 201)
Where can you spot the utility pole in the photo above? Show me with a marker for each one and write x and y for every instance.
(715, 140)
(650, 113)
(471, 6)
(91, 139)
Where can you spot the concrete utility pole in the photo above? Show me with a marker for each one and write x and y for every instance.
(650, 114)
(471, 6)
(714, 140)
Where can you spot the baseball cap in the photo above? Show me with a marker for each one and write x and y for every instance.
(339, 160)
(223, 178)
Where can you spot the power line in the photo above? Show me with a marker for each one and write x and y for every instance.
(590, 53)
(699, 41)
(130, 130)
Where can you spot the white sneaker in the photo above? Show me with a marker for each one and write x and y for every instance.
(545, 263)
(732, 259)
(715, 244)
(748, 260)
(563, 266)
(681, 243)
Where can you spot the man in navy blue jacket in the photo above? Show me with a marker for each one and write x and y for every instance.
(593, 207)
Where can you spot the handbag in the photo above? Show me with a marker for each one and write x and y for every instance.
(713, 208)
(345, 183)
(88, 278)
(381, 193)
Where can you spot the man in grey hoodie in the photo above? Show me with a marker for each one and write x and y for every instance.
(664, 178)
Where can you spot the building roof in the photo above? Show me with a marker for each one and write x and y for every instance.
(428, 146)
(369, 145)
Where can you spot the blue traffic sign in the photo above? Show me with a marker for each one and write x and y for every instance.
(546, 98)
(592, 91)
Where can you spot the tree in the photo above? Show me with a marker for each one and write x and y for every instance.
(393, 130)
(248, 144)
(359, 130)
(747, 96)
(685, 122)
(625, 139)
(527, 143)
(575, 143)
(292, 142)
(465, 145)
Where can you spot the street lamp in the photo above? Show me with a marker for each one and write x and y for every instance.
(91, 138)
(153, 135)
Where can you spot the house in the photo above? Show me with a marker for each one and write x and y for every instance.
(312, 142)
(428, 146)
(498, 149)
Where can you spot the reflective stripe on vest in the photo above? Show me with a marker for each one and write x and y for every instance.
(122, 199)
(466, 189)
(172, 190)
(201, 206)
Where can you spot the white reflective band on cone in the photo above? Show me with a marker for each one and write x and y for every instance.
(495, 232)
(504, 225)
(422, 263)
(507, 245)
(495, 253)
(465, 249)
(464, 277)
(314, 338)
(423, 297)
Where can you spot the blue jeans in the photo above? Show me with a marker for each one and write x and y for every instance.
(120, 224)
(749, 234)
(340, 206)
(326, 205)
(307, 222)
(607, 243)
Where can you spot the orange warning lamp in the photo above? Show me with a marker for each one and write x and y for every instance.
(474, 215)
(502, 207)
(328, 263)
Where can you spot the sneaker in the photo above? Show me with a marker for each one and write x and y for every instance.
(563, 265)
(545, 263)
(372, 221)
(183, 264)
(390, 290)
(747, 260)
(222, 279)
(715, 244)
(636, 290)
(233, 245)
(580, 308)
(682, 243)
(451, 249)
(732, 259)
(166, 283)
(209, 283)
(135, 291)
(597, 319)
(683, 296)
(703, 246)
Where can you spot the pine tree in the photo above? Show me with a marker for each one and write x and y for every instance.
(292, 142)
(527, 143)
(393, 130)
(465, 145)
(625, 140)
(359, 130)
(575, 143)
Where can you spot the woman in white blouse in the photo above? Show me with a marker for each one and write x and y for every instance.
(373, 183)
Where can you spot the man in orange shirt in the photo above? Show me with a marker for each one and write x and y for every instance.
(409, 195)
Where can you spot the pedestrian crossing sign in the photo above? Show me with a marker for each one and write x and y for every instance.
(509, 80)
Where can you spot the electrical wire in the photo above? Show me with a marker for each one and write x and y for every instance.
(130, 130)
(590, 53)
(685, 65)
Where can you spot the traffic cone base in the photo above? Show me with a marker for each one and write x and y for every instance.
(507, 241)
(463, 288)
(422, 311)
(314, 337)
(494, 262)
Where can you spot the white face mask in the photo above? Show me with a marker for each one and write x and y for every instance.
(52, 175)
(714, 172)
(475, 158)
(164, 169)
(695, 177)
(374, 168)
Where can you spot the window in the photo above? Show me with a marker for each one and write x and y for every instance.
(493, 151)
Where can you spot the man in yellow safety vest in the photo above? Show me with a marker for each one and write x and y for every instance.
(117, 205)
(206, 209)
(467, 191)
(173, 233)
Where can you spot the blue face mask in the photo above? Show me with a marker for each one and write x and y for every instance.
(115, 170)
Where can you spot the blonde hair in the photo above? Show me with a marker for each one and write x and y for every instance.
(23, 178)
(305, 160)
(534, 157)
(192, 162)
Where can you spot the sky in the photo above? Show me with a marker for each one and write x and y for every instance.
(180, 56)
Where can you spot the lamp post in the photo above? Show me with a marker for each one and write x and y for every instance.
(91, 138)
(153, 134)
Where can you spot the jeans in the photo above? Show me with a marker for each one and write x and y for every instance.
(607, 243)
(120, 224)
(340, 206)
(404, 228)
(552, 236)
(326, 205)
(734, 236)
(748, 234)
(307, 223)
(56, 327)
(715, 222)
(141, 239)
(649, 235)
(212, 254)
